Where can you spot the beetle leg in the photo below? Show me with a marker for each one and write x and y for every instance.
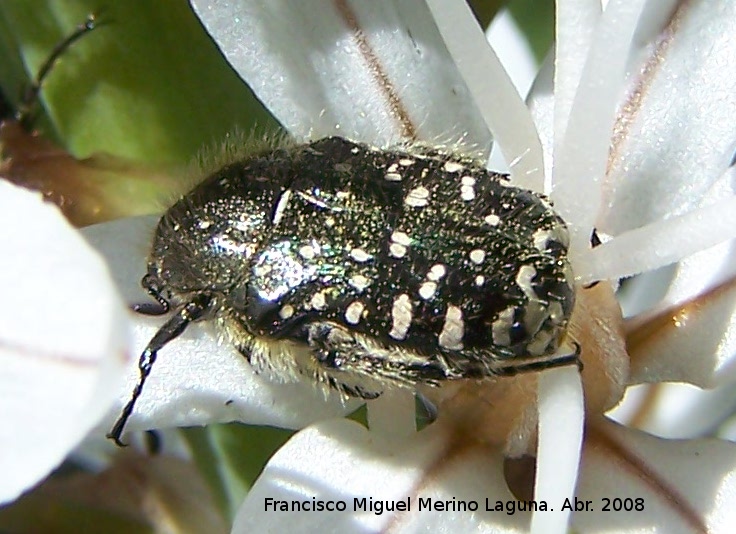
(481, 365)
(359, 365)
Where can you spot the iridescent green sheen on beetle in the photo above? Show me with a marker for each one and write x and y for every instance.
(362, 268)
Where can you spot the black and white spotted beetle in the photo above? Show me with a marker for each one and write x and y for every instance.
(362, 268)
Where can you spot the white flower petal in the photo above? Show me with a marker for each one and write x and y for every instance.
(675, 411)
(684, 486)
(694, 341)
(561, 417)
(516, 56)
(676, 134)
(62, 339)
(197, 379)
(500, 105)
(580, 162)
(375, 72)
(668, 301)
(576, 22)
(513, 50)
(340, 460)
(658, 244)
(125, 244)
(541, 102)
(700, 273)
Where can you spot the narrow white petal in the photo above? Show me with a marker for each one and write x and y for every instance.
(500, 105)
(675, 134)
(517, 58)
(541, 102)
(576, 21)
(660, 243)
(687, 310)
(63, 339)
(513, 50)
(375, 72)
(700, 273)
(675, 411)
(581, 162)
(561, 418)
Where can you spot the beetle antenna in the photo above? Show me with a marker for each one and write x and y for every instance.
(30, 95)
(173, 328)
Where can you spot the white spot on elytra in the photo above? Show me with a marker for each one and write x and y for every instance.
(359, 282)
(401, 238)
(417, 197)
(427, 290)
(318, 301)
(467, 192)
(278, 213)
(286, 311)
(436, 272)
(354, 312)
(405, 162)
(401, 314)
(467, 180)
(396, 250)
(360, 255)
(477, 256)
(453, 330)
(480, 280)
(524, 281)
(492, 219)
(453, 166)
(204, 224)
(392, 174)
(501, 327)
(541, 238)
(307, 252)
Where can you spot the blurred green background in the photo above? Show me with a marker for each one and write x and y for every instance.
(149, 84)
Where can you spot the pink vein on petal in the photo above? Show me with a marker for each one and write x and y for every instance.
(456, 449)
(645, 473)
(375, 67)
(52, 357)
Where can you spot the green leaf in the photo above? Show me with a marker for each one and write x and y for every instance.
(231, 457)
(148, 84)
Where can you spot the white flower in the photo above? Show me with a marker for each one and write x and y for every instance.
(389, 54)
(63, 339)
(382, 74)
